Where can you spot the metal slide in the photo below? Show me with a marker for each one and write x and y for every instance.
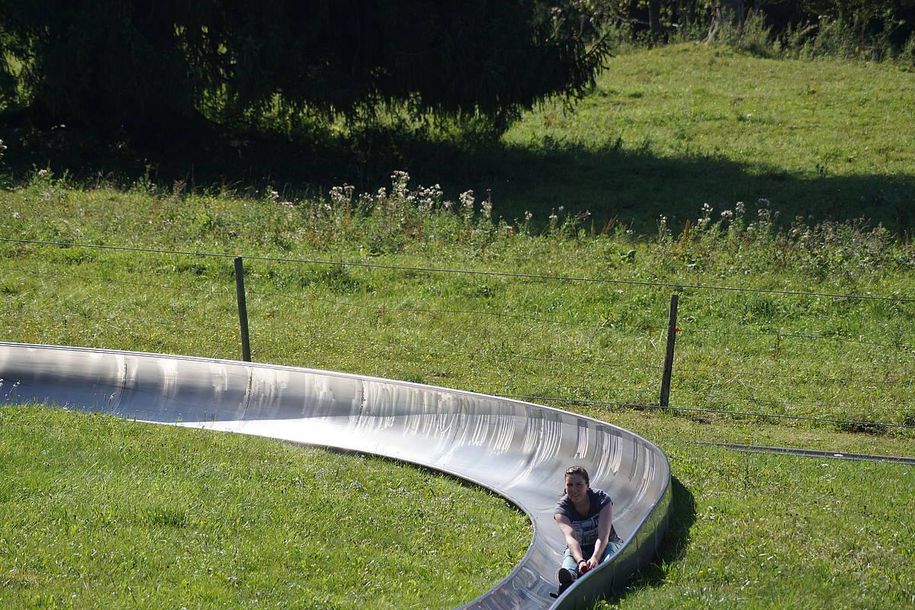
(518, 450)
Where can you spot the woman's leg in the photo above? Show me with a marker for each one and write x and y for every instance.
(613, 546)
(569, 563)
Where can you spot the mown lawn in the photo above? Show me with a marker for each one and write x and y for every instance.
(675, 127)
(96, 512)
(768, 531)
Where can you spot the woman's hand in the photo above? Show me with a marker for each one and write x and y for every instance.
(584, 565)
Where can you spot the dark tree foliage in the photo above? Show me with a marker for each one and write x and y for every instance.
(114, 64)
(894, 19)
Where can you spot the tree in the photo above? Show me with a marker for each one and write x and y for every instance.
(893, 20)
(111, 64)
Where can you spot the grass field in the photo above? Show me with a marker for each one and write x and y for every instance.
(667, 130)
(672, 128)
(96, 512)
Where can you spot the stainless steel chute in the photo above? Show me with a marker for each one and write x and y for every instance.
(519, 450)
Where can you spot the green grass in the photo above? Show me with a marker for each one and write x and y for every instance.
(666, 131)
(96, 512)
(769, 115)
(764, 531)
(675, 127)
(786, 355)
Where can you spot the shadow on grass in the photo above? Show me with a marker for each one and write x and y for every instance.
(673, 546)
(629, 187)
(634, 188)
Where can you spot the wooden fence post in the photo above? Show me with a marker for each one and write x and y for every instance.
(669, 356)
(242, 309)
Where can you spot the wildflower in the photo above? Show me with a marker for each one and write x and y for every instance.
(365, 200)
(706, 219)
(341, 195)
(727, 214)
(399, 181)
(466, 199)
(739, 208)
(664, 233)
(527, 216)
(487, 209)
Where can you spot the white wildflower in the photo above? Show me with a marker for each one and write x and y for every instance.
(467, 200)
(340, 195)
(399, 181)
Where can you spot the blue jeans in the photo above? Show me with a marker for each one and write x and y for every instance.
(568, 562)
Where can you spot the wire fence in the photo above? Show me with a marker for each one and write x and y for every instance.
(510, 340)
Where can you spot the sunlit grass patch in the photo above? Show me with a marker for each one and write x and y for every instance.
(99, 512)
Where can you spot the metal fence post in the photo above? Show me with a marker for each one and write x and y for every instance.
(669, 356)
(242, 309)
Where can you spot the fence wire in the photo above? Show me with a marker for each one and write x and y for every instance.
(263, 293)
(859, 376)
(812, 337)
(692, 410)
(677, 286)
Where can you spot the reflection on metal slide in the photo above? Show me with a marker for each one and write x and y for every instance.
(516, 449)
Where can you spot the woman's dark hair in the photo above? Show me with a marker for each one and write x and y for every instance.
(580, 471)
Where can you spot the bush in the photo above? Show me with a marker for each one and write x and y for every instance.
(115, 64)
(869, 29)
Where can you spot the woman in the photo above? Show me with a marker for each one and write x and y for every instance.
(585, 517)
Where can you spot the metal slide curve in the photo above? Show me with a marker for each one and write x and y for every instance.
(518, 450)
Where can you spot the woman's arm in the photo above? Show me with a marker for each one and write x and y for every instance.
(604, 523)
(565, 526)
